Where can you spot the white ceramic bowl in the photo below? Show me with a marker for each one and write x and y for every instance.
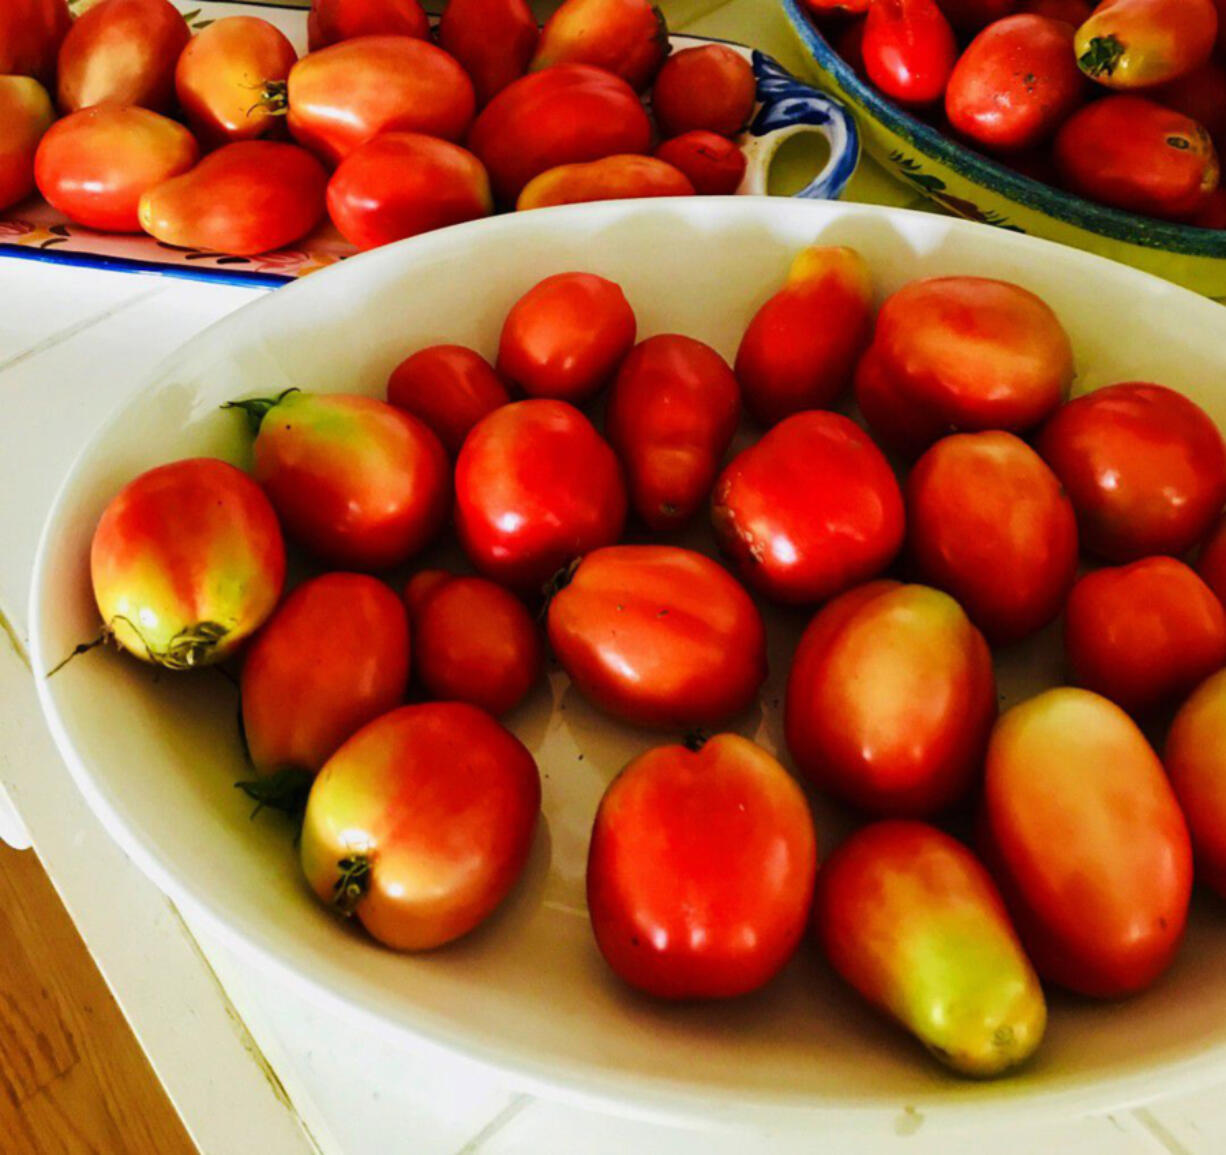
(157, 755)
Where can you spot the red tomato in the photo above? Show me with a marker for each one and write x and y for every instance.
(626, 37)
(493, 39)
(342, 96)
(225, 63)
(1140, 43)
(890, 700)
(672, 414)
(187, 561)
(1015, 84)
(332, 21)
(659, 636)
(1202, 96)
(536, 487)
(1196, 765)
(31, 32)
(1131, 153)
(421, 823)
(95, 165)
(610, 178)
(1083, 833)
(801, 347)
(700, 870)
(403, 183)
(824, 8)
(912, 921)
(243, 199)
(901, 423)
(472, 641)
(1144, 634)
(333, 657)
(972, 15)
(358, 483)
(1212, 562)
(988, 522)
(964, 354)
(565, 337)
(708, 87)
(1144, 466)
(714, 165)
(25, 115)
(810, 510)
(561, 115)
(1074, 12)
(448, 387)
(909, 50)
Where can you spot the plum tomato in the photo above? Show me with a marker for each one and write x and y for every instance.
(25, 115)
(492, 39)
(472, 641)
(989, 523)
(628, 38)
(1086, 840)
(450, 388)
(421, 823)
(1195, 759)
(1211, 564)
(610, 178)
(700, 870)
(708, 87)
(972, 15)
(31, 32)
(903, 424)
(823, 8)
(186, 562)
(911, 919)
(659, 636)
(1139, 43)
(909, 50)
(332, 21)
(810, 510)
(1144, 467)
(536, 487)
(714, 165)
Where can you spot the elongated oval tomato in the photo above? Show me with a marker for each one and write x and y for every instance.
(909, 50)
(610, 178)
(1083, 833)
(493, 39)
(1195, 759)
(25, 116)
(331, 21)
(912, 921)
(1140, 43)
(709, 86)
(333, 657)
(450, 388)
(700, 870)
(421, 823)
(626, 37)
(659, 636)
(31, 32)
(714, 165)
(187, 561)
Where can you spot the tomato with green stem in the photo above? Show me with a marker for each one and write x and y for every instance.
(1130, 44)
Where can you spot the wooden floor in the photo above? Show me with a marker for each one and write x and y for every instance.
(73, 1079)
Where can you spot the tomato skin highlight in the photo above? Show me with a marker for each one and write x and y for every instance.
(1083, 834)
(31, 32)
(714, 165)
(334, 656)
(25, 116)
(710, 86)
(610, 178)
(909, 50)
(700, 870)
(493, 40)
(332, 21)
(450, 388)
(186, 562)
(438, 803)
(1128, 44)
(628, 38)
(913, 922)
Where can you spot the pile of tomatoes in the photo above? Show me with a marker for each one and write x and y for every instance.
(703, 870)
(378, 127)
(1124, 104)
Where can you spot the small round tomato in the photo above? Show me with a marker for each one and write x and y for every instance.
(610, 178)
(988, 522)
(565, 337)
(709, 87)
(25, 116)
(700, 870)
(450, 388)
(810, 510)
(909, 50)
(1140, 43)
(96, 164)
(403, 183)
(536, 487)
(972, 15)
(421, 823)
(31, 32)
(187, 561)
(493, 39)
(332, 21)
(333, 657)
(1144, 466)
(714, 165)
(1195, 759)
(626, 37)
(1144, 634)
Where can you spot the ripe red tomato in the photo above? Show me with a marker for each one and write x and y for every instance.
(988, 522)
(1074, 12)
(333, 657)
(659, 636)
(890, 700)
(561, 115)
(673, 411)
(403, 183)
(714, 165)
(472, 641)
(31, 32)
(802, 345)
(421, 823)
(1145, 634)
(448, 387)
(493, 39)
(96, 164)
(1211, 565)
(626, 37)
(1140, 43)
(1195, 760)
(824, 8)
(810, 510)
(1144, 466)
(913, 922)
(245, 198)
(219, 71)
(25, 115)
(708, 87)
(332, 21)
(1085, 837)
(357, 482)
(972, 15)
(187, 561)
(565, 337)
(1015, 84)
(610, 178)
(700, 870)
(536, 487)
(909, 50)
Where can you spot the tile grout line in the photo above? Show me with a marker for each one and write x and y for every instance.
(517, 1104)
